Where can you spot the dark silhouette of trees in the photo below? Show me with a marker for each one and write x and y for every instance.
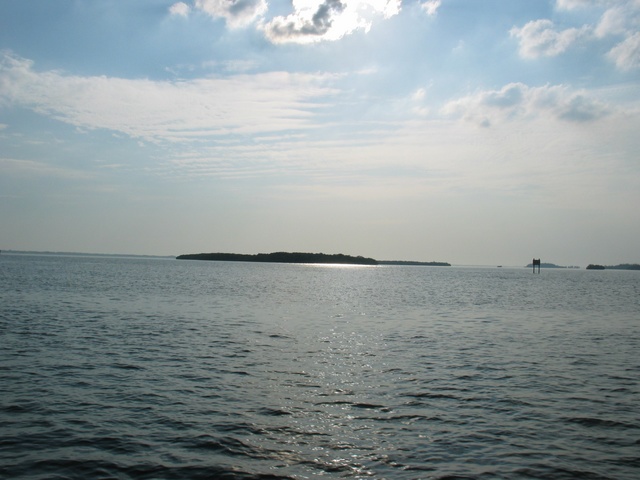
(281, 257)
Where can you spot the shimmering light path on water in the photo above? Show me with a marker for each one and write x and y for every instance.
(155, 368)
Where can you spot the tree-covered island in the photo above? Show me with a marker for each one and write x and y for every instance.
(412, 263)
(551, 265)
(281, 257)
(621, 266)
(299, 257)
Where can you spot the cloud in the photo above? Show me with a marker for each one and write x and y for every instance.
(626, 54)
(305, 25)
(237, 13)
(614, 21)
(180, 9)
(573, 4)
(317, 20)
(431, 6)
(517, 100)
(620, 18)
(159, 111)
(539, 38)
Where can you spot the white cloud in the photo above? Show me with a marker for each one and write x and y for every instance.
(237, 13)
(619, 18)
(573, 4)
(180, 9)
(431, 6)
(317, 20)
(613, 22)
(517, 100)
(165, 111)
(540, 38)
(626, 54)
(622, 20)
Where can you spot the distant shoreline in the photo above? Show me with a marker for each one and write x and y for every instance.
(301, 257)
(413, 263)
(313, 258)
(621, 266)
(281, 257)
(551, 265)
(81, 254)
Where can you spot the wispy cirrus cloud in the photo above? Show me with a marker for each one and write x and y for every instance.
(161, 111)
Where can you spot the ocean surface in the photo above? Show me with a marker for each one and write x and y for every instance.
(149, 368)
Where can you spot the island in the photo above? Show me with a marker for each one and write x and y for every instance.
(281, 257)
(624, 266)
(300, 257)
(421, 264)
(551, 265)
(621, 266)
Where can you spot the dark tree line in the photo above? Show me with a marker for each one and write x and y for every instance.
(282, 257)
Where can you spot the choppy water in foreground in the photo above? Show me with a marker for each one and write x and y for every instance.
(155, 368)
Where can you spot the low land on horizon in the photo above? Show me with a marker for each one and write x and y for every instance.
(300, 257)
(551, 265)
(319, 258)
(620, 266)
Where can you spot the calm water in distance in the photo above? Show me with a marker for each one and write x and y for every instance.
(136, 368)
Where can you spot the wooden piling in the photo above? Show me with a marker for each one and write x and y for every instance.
(536, 262)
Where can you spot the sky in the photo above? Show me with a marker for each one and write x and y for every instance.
(477, 132)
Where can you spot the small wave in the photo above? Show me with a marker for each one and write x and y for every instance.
(230, 446)
(127, 366)
(103, 469)
(432, 395)
(273, 412)
(548, 471)
(598, 422)
(370, 406)
(363, 405)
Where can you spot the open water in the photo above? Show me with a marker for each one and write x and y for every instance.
(142, 368)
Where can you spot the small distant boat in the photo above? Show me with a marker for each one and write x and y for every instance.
(499, 266)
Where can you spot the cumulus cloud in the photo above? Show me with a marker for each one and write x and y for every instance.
(622, 20)
(540, 38)
(317, 20)
(517, 100)
(165, 111)
(237, 13)
(614, 21)
(626, 54)
(180, 9)
(617, 29)
(310, 21)
(431, 6)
